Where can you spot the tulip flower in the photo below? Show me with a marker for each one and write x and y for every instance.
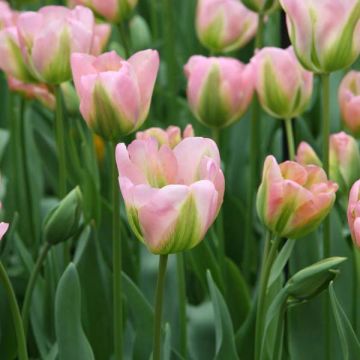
(219, 90)
(283, 85)
(7, 16)
(224, 25)
(261, 6)
(49, 37)
(170, 137)
(325, 34)
(353, 213)
(114, 11)
(3, 229)
(349, 100)
(115, 94)
(306, 155)
(102, 34)
(293, 199)
(172, 196)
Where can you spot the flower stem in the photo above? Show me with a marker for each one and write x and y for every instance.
(259, 40)
(60, 141)
(124, 36)
(19, 329)
(182, 303)
(290, 138)
(154, 19)
(31, 285)
(264, 278)
(117, 286)
(356, 275)
(158, 306)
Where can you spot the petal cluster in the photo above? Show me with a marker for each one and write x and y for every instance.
(115, 94)
(219, 90)
(325, 33)
(172, 196)
(353, 213)
(224, 25)
(293, 199)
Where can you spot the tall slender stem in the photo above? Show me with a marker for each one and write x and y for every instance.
(356, 276)
(31, 285)
(259, 40)
(154, 19)
(182, 303)
(158, 306)
(264, 278)
(290, 138)
(124, 36)
(117, 286)
(19, 329)
(60, 141)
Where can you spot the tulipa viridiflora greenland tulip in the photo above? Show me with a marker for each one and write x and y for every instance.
(353, 213)
(224, 25)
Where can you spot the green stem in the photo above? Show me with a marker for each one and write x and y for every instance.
(182, 303)
(158, 306)
(290, 138)
(259, 40)
(124, 36)
(215, 134)
(356, 275)
(19, 329)
(31, 285)
(60, 141)
(117, 249)
(264, 279)
(154, 19)
(278, 347)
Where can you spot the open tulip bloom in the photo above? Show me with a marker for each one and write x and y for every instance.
(172, 196)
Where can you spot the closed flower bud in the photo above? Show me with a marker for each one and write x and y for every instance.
(293, 199)
(49, 37)
(349, 100)
(115, 94)
(283, 85)
(261, 6)
(102, 34)
(63, 221)
(312, 280)
(172, 196)
(224, 25)
(219, 90)
(325, 34)
(353, 213)
(306, 155)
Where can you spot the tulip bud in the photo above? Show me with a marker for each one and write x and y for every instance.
(324, 34)
(307, 156)
(172, 196)
(102, 34)
(49, 37)
(115, 94)
(140, 33)
(283, 85)
(63, 221)
(219, 90)
(293, 199)
(261, 6)
(224, 25)
(309, 282)
(353, 213)
(349, 100)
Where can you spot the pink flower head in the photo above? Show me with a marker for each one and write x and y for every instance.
(293, 199)
(353, 213)
(325, 33)
(224, 25)
(283, 85)
(49, 37)
(102, 34)
(219, 90)
(7, 15)
(172, 196)
(170, 137)
(306, 155)
(115, 94)
(349, 100)
(261, 6)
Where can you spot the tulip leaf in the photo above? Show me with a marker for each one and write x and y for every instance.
(349, 342)
(167, 342)
(72, 342)
(225, 341)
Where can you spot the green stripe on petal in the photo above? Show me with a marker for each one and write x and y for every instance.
(133, 218)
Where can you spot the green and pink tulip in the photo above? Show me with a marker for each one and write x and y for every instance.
(283, 85)
(224, 25)
(172, 196)
(115, 94)
(219, 90)
(293, 199)
(325, 34)
(102, 33)
(353, 213)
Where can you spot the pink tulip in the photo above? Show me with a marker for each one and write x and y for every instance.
(283, 85)
(115, 94)
(306, 155)
(224, 25)
(3, 229)
(219, 90)
(33, 91)
(261, 6)
(49, 37)
(170, 137)
(102, 34)
(353, 213)
(112, 10)
(172, 196)
(325, 33)
(349, 100)
(293, 199)
(7, 16)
